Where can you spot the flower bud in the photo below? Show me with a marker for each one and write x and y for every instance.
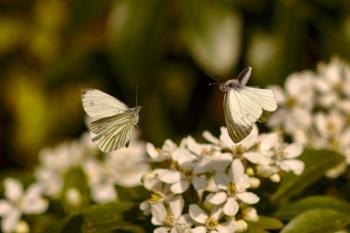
(275, 178)
(250, 214)
(254, 182)
(241, 225)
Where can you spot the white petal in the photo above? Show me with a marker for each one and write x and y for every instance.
(257, 158)
(216, 212)
(5, 207)
(210, 138)
(221, 180)
(192, 145)
(180, 187)
(237, 170)
(199, 183)
(9, 222)
(176, 206)
(293, 150)
(248, 197)
(278, 93)
(183, 156)
(159, 212)
(168, 176)
(152, 151)
(197, 214)
(268, 141)
(226, 227)
(225, 138)
(294, 165)
(251, 139)
(13, 189)
(217, 198)
(231, 207)
(221, 162)
(34, 206)
(200, 229)
(33, 191)
(103, 193)
(161, 230)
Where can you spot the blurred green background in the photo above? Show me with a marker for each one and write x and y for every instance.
(51, 49)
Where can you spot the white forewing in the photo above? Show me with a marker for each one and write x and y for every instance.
(240, 114)
(244, 76)
(264, 97)
(244, 111)
(98, 104)
(112, 133)
(243, 107)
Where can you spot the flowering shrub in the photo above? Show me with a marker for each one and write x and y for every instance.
(314, 109)
(264, 183)
(217, 180)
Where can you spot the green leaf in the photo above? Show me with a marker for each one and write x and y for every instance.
(316, 221)
(102, 219)
(211, 31)
(317, 162)
(289, 211)
(266, 223)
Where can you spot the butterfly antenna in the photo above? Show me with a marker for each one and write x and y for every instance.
(137, 90)
(213, 78)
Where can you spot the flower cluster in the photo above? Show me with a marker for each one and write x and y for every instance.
(314, 109)
(206, 187)
(102, 174)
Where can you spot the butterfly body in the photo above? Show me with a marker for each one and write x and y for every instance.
(243, 106)
(112, 121)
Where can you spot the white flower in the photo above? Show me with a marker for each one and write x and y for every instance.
(55, 162)
(210, 223)
(210, 157)
(330, 125)
(295, 103)
(319, 117)
(283, 158)
(162, 154)
(100, 181)
(170, 219)
(128, 165)
(19, 202)
(232, 188)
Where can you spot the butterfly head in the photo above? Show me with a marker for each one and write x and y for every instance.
(136, 109)
(233, 83)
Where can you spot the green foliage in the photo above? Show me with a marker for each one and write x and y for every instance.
(103, 219)
(291, 210)
(264, 223)
(317, 220)
(317, 163)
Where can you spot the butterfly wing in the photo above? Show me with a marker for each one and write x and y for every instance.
(244, 76)
(98, 104)
(264, 97)
(240, 114)
(112, 133)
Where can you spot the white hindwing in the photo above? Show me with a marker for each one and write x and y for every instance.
(243, 107)
(264, 97)
(240, 114)
(112, 133)
(98, 104)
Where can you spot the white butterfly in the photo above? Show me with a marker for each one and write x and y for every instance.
(113, 121)
(243, 106)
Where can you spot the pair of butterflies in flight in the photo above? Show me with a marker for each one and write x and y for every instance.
(113, 121)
